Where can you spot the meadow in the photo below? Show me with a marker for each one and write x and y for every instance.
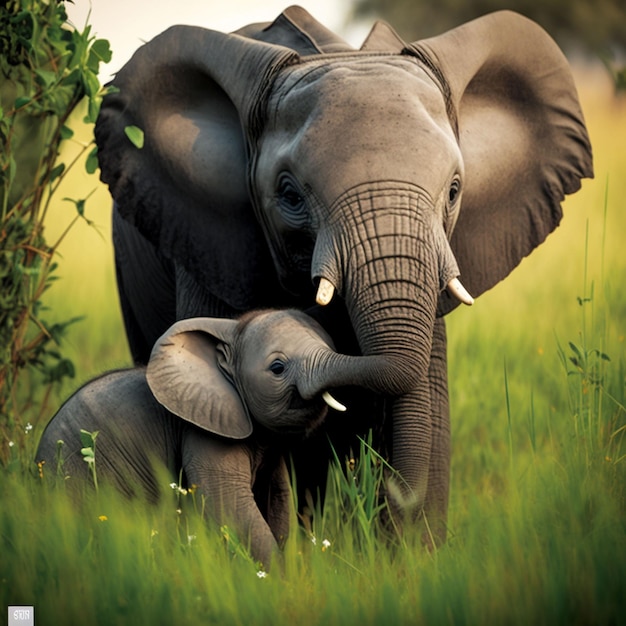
(537, 375)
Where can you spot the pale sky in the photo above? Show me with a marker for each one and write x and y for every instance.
(128, 23)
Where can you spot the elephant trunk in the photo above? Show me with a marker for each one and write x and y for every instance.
(384, 252)
(390, 267)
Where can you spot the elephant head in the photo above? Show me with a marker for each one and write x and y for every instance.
(222, 375)
(280, 162)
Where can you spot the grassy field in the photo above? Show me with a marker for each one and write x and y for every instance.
(538, 495)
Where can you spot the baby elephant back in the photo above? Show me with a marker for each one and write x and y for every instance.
(133, 432)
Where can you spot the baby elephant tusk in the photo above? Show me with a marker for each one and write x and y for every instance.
(332, 403)
(325, 292)
(459, 292)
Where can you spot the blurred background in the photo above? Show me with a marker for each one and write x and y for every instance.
(594, 28)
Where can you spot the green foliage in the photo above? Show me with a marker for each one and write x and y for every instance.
(47, 69)
(136, 136)
(357, 516)
(88, 441)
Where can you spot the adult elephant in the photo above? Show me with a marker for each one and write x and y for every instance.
(279, 161)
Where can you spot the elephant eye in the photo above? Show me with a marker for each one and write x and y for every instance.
(291, 200)
(292, 197)
(454, 191)
(277, 367)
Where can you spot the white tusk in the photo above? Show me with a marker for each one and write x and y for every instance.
(325, 292)
(332, 403)
(459, 292)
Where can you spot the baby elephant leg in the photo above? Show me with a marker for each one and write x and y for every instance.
(223, 472)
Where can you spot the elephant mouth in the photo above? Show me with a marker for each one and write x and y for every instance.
(308, 415)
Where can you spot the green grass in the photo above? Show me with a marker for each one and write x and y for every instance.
(538, 493)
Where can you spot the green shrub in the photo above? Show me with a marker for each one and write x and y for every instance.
(47, 68)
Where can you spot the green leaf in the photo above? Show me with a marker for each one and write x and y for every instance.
(46, 77)
(22, 101)
(79, 204)
(100, 52)
(57, 171)
(58, 331)
(576, 350)
(88, 439)
(66, 132)
(91, 164)
(93, 109)
(80, 207)
(64, 368)
(73, 78)
(136, 136)
(91, 83)
(103, 49)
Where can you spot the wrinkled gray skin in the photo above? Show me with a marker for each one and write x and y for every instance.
(184, 412)
(280, 156)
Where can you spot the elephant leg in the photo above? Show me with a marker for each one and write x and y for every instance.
(146, 286)
(223, 473)
(272, 493)
(436, 502)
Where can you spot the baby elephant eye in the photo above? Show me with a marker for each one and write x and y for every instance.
(277, 367)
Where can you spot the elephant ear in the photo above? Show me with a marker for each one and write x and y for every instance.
(383, 38)
(185, 376)
(511, 95)
(193, 93)
(297, 29)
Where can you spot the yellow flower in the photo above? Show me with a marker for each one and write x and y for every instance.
(40, 466)
(103, 518)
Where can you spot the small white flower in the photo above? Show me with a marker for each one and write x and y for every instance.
(28, 427)
(313, 540)
(261, 574)
(190, 538)
(180, 490)
(11, 444)
(325, 544)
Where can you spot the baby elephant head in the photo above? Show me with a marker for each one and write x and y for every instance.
(223, 374)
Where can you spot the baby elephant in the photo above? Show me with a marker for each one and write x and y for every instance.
(209, 384)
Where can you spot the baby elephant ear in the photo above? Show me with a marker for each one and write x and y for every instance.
(511, 93)
(184, 376)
